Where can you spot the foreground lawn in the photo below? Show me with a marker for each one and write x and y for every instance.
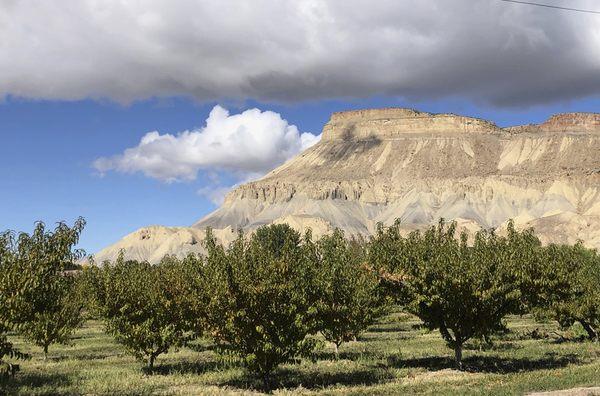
(396, 356)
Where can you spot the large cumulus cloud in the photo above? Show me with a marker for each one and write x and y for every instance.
(244, 145)
(289, 50)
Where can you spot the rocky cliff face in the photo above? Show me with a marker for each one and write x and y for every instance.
(379, 165)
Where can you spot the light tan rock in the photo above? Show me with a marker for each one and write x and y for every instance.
(154, 242)
(379, 165)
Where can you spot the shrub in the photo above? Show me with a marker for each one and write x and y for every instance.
(463, 291)
(573, 287)
(37, 296)
(261, 307)
(60, 318)
(349, 296)
(8, 295)
(145, 307)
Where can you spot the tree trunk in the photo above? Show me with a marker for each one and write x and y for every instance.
(45, 352)
(458, 356)
(12, 370)
(592, 334)
(487, 340)
(151, 361)
(336, 349)
(266, 382)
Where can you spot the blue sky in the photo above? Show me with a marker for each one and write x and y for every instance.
(89, 80)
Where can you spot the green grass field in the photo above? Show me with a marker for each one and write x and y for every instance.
(396, 356)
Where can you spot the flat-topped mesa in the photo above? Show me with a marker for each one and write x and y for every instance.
(396, 122)
(378, 166)
(572, 122)
(565, 122)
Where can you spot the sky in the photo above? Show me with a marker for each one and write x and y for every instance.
(132, 113)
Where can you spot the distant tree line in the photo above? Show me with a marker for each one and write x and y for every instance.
(266, 297)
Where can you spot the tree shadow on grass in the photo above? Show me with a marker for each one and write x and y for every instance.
(383, 337)
(350, 355)
(563, 340)
(496, 346)
(550, 336)
(387, 328)
(35, 380)
(190, 367)
(87, 355)
(487, 364)
(294, 378)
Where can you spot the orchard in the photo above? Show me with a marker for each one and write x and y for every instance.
(276, 297)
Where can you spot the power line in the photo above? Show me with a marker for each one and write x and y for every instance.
(552, 6)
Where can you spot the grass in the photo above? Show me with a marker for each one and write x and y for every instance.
(396, 356)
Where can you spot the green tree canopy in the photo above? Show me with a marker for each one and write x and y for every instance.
(146, 307)
(462, 290)
(349, 295)
(572, 291)
(37, 297)
(7, 302)
(262, 307)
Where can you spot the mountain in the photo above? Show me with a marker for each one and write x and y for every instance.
(384, 164)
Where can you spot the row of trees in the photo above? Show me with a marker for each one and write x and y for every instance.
(265, 296)
(260, 299)
(464, 289)
(37, 299)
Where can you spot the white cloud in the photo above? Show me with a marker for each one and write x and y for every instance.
(244, 145)
(290, 50)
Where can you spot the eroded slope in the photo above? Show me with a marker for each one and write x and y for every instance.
(379, 165)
